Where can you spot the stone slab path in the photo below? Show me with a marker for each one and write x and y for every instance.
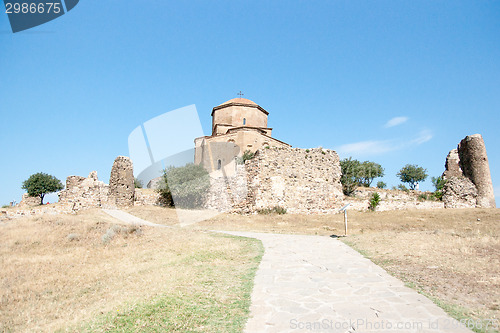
(319, 284)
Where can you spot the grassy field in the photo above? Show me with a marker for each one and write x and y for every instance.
(85, 272)
(88, 273)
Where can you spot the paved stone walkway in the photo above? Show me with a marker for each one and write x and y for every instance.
(319, 284)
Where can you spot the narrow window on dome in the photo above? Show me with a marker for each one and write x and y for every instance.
(244, 121)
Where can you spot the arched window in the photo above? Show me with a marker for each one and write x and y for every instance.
(219, 164)
(244, 121)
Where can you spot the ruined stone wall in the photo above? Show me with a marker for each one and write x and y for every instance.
(27, 201)
(468, 177)
(83, 193)
(228, 193)
(300, 180)
(147, 197)
(391, 200)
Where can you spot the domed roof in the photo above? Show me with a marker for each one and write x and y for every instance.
(239, 101)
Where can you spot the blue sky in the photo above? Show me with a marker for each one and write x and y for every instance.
(394, 82)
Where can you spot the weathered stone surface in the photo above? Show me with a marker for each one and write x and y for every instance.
(155, 183)
(121, 183)
(468, 174)
(29, 201)
(459, 192)
(391, 200)
(83, 193)
(452, 165)
(475, 166)
(300, 180)
(228, 193)
(147, 197)
(74, 181)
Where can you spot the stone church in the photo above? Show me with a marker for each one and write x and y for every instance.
(238, 125)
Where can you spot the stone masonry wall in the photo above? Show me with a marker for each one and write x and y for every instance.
(83, 193)
(391, 200)
(300, 180)
(228, 194)
(147, 197)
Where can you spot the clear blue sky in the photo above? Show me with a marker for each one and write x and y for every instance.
(331, 74)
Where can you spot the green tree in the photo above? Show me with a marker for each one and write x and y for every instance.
(355, 173)
(350, 175)
(412, 174)
(369, 171)
(381, 184)
(438, 183)
(40, 184)
(186, 186)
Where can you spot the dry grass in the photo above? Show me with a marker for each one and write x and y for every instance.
(58, 271)
(155, 214)
(453, 255)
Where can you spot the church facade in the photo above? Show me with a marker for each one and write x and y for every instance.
(238, 125)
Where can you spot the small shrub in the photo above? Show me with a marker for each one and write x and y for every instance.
(275, 210)
(5, 206)
(73, 237)
(323, 152)
(402, 187)
(122, 230)
(374, 201)
(381, 184)
(438, 183)
(422, 197)
(267, 147)
(108, 236)
(307, 150)
(438, 195)
(247, 155)
(137, 183)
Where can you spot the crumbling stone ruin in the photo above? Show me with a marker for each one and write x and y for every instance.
(27, 201)
(121, 183)
(83, 193)
(300, 180)
(467, 175)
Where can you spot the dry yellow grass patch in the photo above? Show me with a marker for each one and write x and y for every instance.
(155, 214)
(60, 270)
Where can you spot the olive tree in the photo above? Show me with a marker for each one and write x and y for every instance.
(412, 174)
(368, 172)
(40, 184)
(355, 173)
